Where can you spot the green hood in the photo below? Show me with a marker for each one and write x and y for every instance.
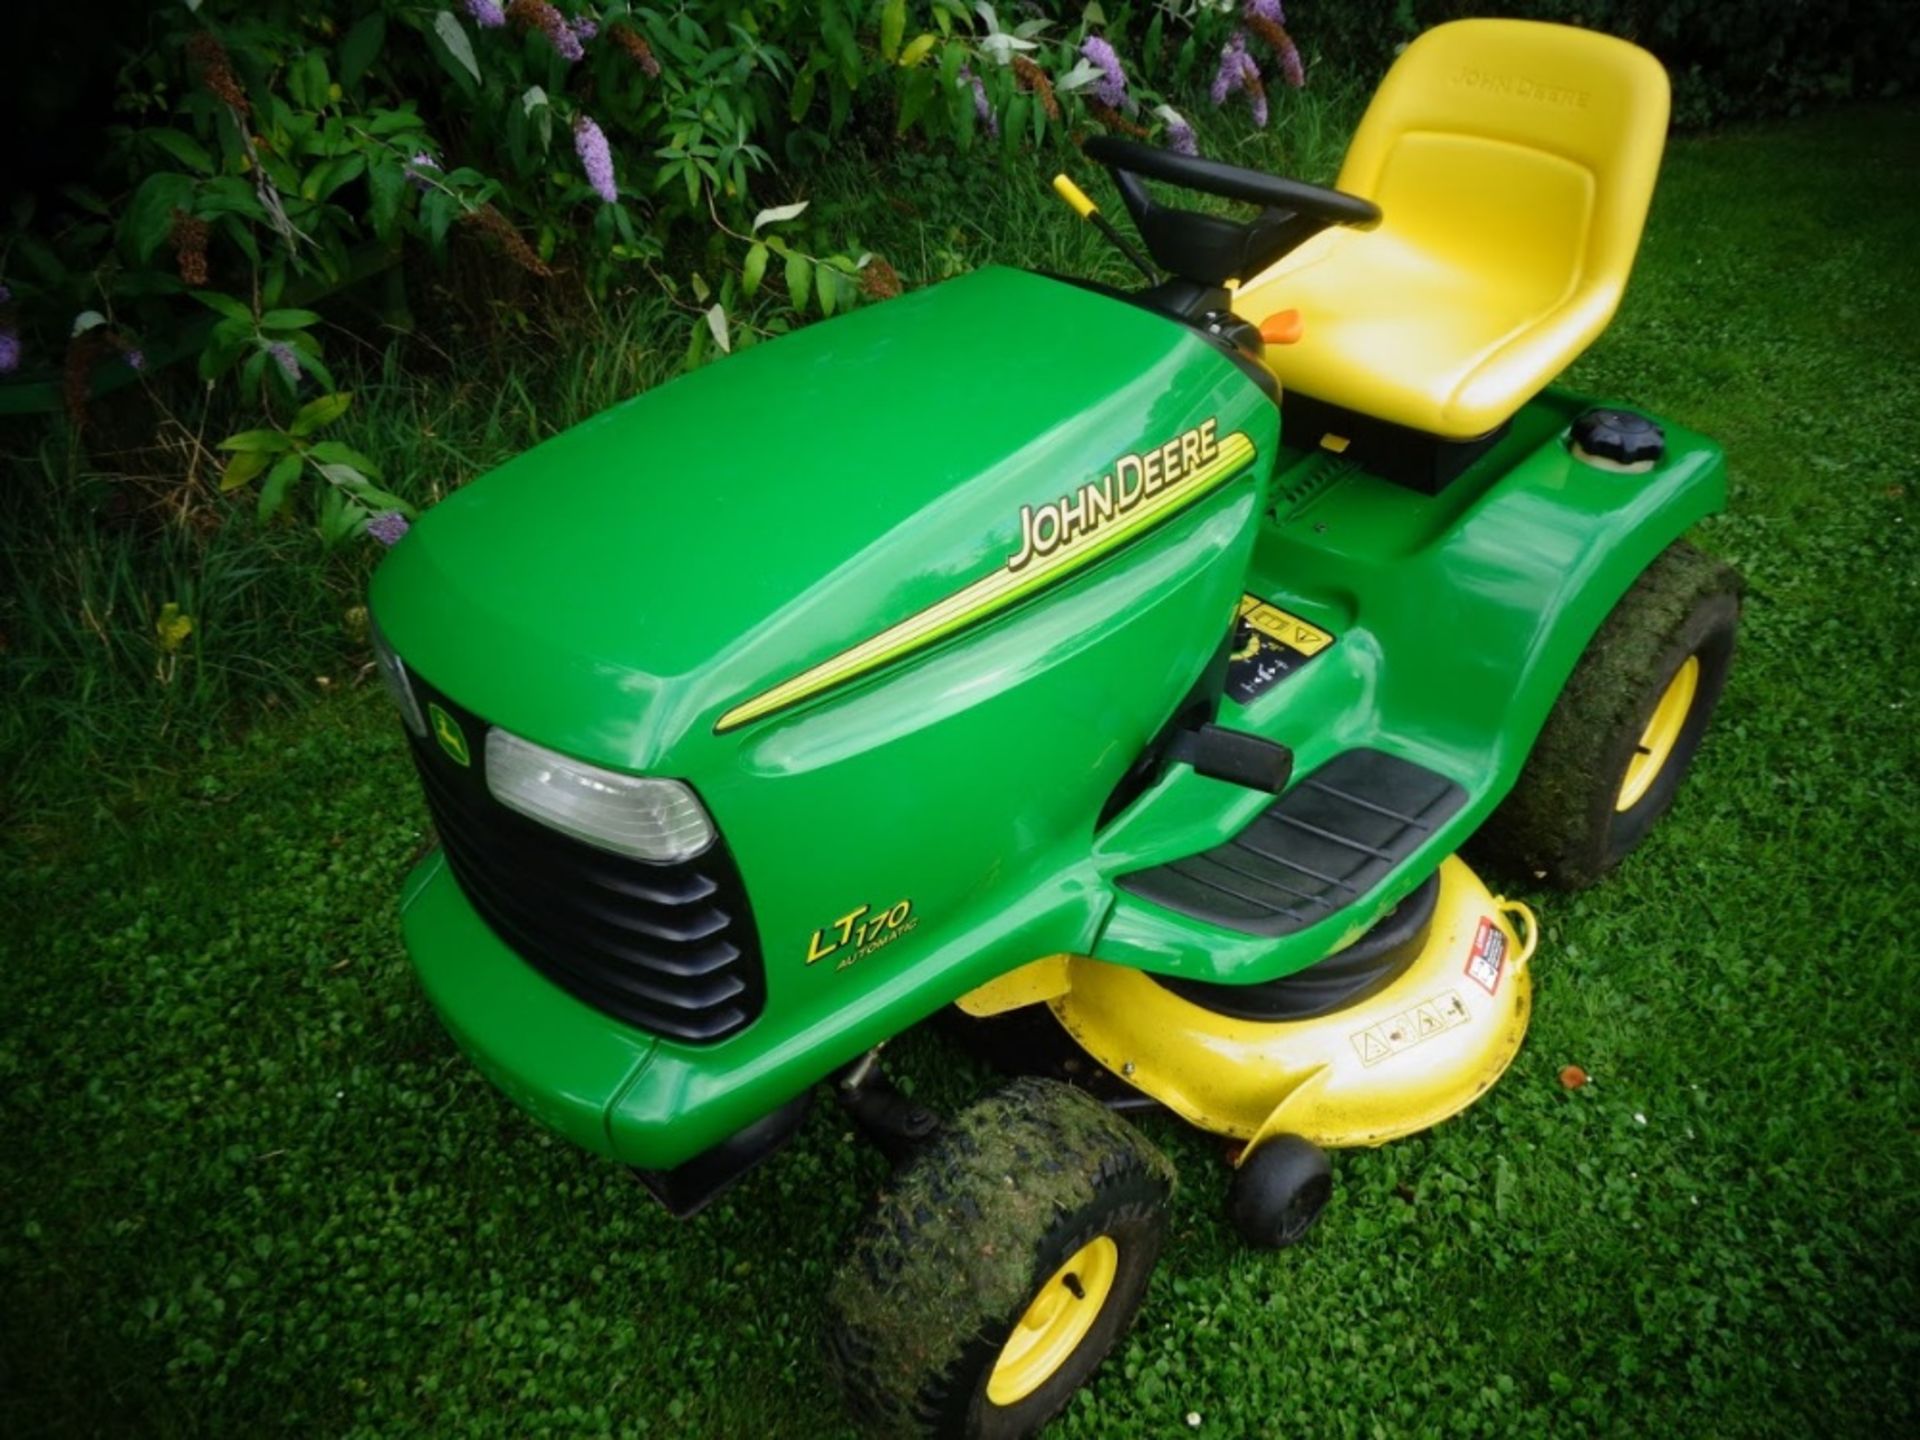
(637, 578)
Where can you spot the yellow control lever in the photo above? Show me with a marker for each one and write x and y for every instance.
(1078, 202)
(1075, 197)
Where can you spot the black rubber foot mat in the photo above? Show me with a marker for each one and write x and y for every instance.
(1319, 848)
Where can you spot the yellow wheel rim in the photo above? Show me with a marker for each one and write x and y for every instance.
(1056, 1323)
(1650, 757)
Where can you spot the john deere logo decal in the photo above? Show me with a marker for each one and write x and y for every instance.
(447, 731)
(1056, 538)
(1135, 479)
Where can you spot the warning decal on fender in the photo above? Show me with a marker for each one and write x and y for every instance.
(1269, 644)
(1488, 956)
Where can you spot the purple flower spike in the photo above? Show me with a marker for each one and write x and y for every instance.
(136, 358)
(282, 355)
(585, 27)
(1267, 10)
(1226, 79)
(982, 111)
(559, 33)
(1239, 72)
(9, 352)
(1111, 88)
(1291, 70)
(1180, 137)
(590, 142)
(388, 526)
(6, 294)
(422, 170)
(487, 14)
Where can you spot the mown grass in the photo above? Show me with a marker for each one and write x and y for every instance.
(249, 1187)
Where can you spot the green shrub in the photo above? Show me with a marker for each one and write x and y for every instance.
(265, 154)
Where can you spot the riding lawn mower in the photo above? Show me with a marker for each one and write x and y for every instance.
(1116, 673)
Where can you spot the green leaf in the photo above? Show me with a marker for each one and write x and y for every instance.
(318, 414)
(184, 148)
(332, 452)
(453, 35)
(717, 323)
(362, 47)
(350, 480)
(273, 494)
(437, 209)
(340, 518)
(339, 172)
(149, 216)
(288, 319)
(802, 96)
(393, 122)
(827, 287)
(918, 90)
(754, 268)
(893, 24)
(1013, 129)
(387, 184)
(270, 442)
(775, 214)
(226, 305)
(242, 468)
(916, 50)
(229, 343)
(799, 280)
(312, 71)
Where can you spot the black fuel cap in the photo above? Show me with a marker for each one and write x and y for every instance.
(1618, 438)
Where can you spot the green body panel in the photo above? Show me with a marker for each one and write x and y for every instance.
(1458, 618)
(615, 592)
(555, 1057)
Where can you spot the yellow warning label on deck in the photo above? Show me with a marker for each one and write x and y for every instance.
(1403, 1031)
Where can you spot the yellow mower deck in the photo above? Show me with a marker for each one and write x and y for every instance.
(1405, 1058)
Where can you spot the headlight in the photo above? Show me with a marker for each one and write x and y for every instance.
(650, 819)
(393, 674)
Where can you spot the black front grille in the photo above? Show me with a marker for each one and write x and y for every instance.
(670, 949)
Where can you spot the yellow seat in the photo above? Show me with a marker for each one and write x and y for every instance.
(1512, 162)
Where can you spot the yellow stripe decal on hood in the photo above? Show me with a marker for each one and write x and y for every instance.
(1107, 516)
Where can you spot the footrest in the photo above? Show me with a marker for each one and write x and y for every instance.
(1322, 846)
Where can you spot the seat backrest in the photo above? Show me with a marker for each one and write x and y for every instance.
(1516, 145)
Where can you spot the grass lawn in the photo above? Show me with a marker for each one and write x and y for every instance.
(248, 1186)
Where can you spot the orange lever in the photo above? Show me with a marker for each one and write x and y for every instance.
(1283, 327)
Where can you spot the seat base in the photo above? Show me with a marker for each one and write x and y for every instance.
(1399, 453)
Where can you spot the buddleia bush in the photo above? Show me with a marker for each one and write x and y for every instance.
(262, 154)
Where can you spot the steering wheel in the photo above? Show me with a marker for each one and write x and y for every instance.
(1211, 249)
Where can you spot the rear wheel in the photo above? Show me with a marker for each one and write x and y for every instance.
(1619, 740)
(1002, 1267)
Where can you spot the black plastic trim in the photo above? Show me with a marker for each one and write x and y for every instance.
(1324, 845)
(1148, 300)
(689, 1188)
(669, 949)
(1344, 978)
(1407, 457)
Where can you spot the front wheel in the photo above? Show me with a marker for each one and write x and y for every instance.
(1000, 1270)
(1620, 738)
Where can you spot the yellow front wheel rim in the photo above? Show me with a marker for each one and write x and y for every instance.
(1662, 734)
(1056, 1322)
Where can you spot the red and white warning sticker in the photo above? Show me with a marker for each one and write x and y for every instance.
(1488, 956)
